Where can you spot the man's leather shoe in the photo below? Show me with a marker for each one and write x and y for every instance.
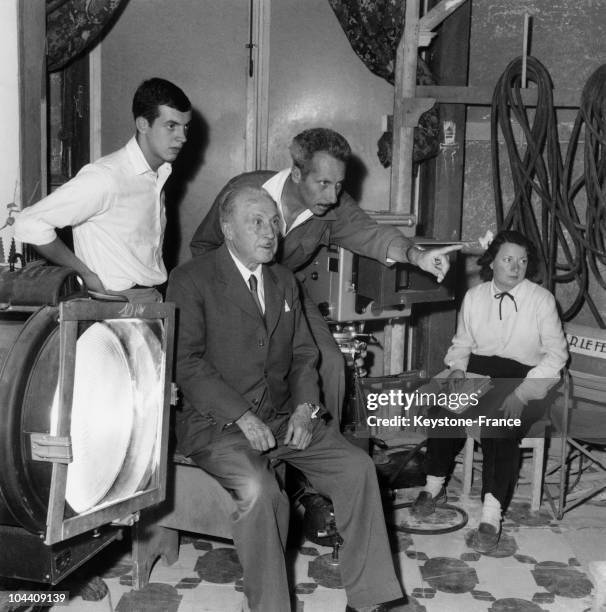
(425, 504)
(486, 538)
(395, 605)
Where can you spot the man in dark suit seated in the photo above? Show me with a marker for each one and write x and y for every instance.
(316, 211)
(246, 364)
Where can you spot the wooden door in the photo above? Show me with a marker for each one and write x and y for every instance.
(68, 126)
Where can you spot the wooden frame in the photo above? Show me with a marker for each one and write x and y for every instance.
(59, 527)
(584, 380)
(408, 107)
(94, 113)
(257, 86)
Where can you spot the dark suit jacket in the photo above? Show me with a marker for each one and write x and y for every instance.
(228, 361)
(346, 225)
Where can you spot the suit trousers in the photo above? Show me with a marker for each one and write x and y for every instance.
(332, 364)
(336, 469)
(500, 461)
(145, 295)
(500, 445)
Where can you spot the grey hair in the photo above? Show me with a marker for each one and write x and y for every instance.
(228, 202)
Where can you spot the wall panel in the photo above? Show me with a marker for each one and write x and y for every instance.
(199, 45)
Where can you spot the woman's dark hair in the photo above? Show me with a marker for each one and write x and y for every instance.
(512, 237)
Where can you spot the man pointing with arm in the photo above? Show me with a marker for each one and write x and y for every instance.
(314, 212)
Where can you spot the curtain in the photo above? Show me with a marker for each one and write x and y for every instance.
(374, 29)
(74, 26)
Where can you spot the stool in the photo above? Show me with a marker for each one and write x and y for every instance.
(195, 502)
(534, 440)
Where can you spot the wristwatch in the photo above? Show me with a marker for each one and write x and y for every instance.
(314, 408)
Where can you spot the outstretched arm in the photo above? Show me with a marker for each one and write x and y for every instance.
(434, 261)
(356, 231)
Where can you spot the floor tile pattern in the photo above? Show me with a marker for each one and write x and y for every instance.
(533, 569)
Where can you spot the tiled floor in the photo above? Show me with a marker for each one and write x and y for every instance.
(541, 564)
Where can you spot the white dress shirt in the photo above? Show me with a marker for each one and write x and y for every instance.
(246, 274)
(531, 335)
(116, 209)
(274, 186)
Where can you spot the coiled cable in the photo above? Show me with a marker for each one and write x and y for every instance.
(543, 205)
(592, 116)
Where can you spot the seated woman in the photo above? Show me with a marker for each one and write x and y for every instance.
(509, 329)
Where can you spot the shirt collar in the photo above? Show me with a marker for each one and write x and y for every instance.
(515, 291)
(245, 272)
(275, 186)
(140, 164)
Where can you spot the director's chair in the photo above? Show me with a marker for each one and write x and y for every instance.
(580, 416)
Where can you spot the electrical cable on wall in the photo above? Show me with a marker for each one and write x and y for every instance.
(543, 204)
(591, 115)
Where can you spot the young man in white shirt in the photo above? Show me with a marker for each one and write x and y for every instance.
(115, 205)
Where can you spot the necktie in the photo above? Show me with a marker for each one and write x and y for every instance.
(500, 296)
(252, 283)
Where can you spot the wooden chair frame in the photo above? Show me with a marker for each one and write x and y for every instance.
(585, 380)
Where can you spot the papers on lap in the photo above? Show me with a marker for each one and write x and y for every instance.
(454, 394)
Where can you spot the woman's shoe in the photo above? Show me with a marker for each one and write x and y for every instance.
(425, 504)
(486, 538)
(389, 606)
